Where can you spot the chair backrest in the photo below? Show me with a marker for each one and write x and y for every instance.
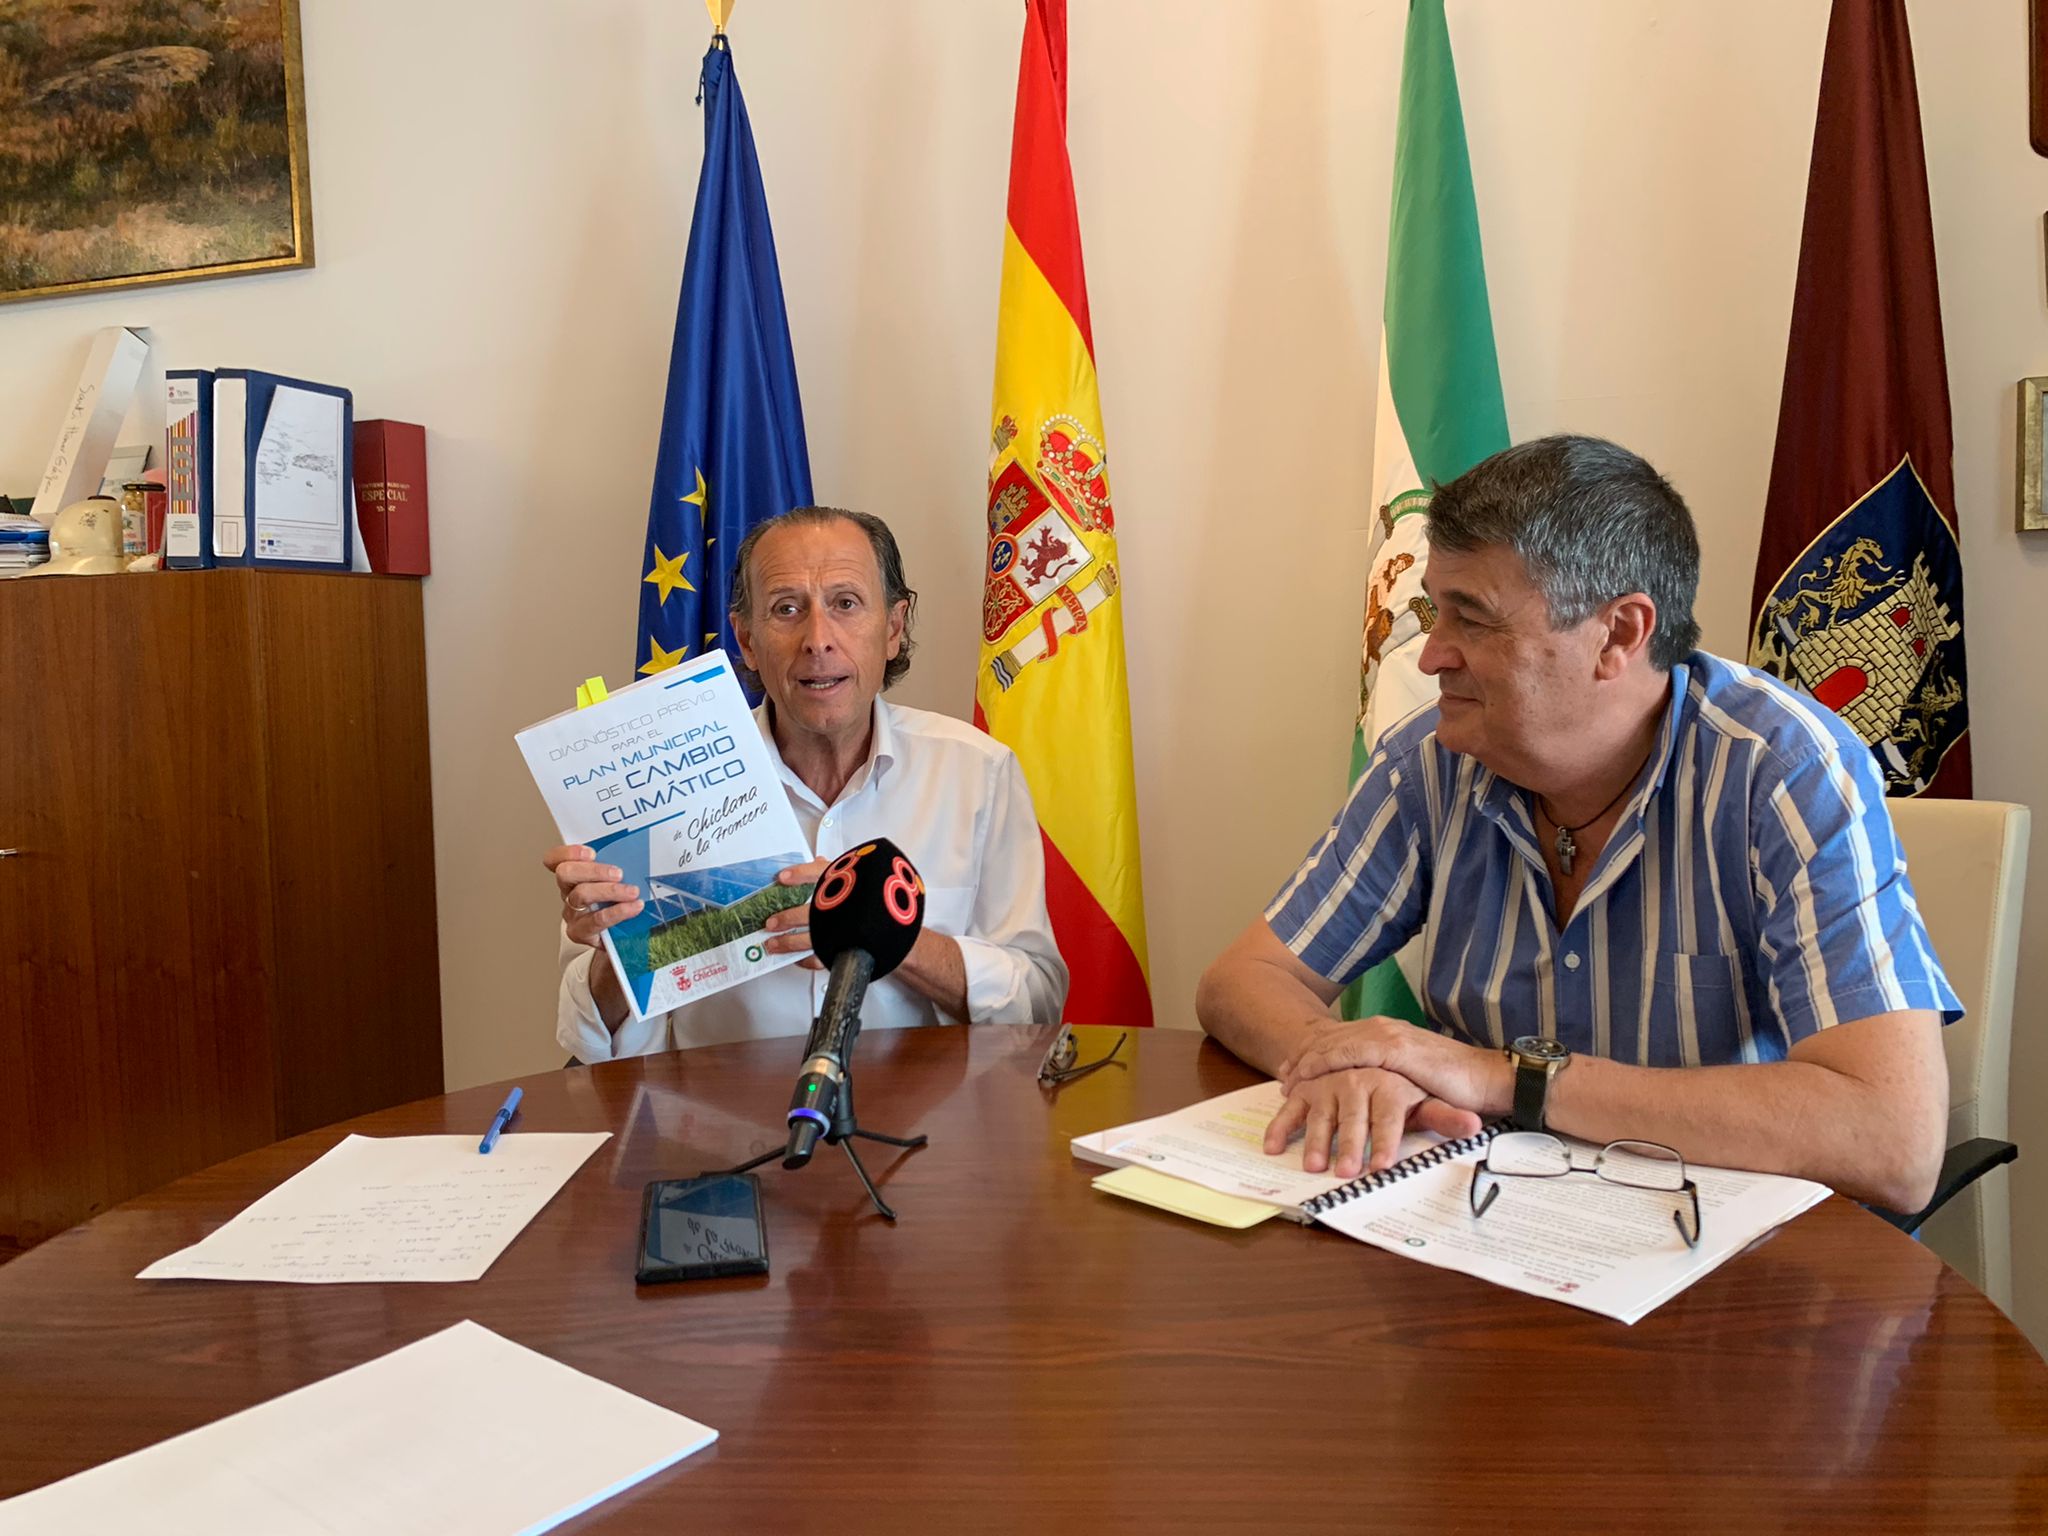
(1967, 860)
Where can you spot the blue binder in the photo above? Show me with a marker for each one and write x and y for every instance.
(188, 456)
(243, 402)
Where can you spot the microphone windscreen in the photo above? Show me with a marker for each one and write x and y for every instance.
(868, 898)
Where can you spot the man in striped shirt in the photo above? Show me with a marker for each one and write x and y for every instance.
(1671, 865)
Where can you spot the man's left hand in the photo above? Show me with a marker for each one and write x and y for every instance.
(1467, 1076)
(789, 931)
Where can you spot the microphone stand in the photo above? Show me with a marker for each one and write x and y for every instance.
(842, 1133)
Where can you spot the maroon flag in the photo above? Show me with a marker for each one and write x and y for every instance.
(1859, 580)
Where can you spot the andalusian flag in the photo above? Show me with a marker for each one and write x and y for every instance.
(1050, 683)
(1440, 409)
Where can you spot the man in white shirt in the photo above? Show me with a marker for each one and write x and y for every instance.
(822, 614)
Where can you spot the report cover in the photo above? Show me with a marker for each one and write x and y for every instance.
(670, 781)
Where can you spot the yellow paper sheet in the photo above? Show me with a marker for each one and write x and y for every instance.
(1164, 1192)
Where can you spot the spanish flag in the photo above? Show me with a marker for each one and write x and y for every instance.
(1050, 684)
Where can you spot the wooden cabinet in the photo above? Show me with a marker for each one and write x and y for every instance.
(217, 920)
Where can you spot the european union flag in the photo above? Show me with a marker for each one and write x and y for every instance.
(732, 432)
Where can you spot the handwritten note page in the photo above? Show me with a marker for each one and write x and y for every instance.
(390, 1208)
(460, 1434)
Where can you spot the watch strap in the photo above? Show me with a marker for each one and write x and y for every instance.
(1532, 1087)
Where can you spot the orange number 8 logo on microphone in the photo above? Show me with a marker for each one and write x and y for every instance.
(836, 884)
(899, 891)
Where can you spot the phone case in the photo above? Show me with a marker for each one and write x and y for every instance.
(645, 1273)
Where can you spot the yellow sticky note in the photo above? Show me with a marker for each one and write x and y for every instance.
(591, 691)
(1164, 1192)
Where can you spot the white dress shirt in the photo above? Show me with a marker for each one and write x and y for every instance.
(955, 801)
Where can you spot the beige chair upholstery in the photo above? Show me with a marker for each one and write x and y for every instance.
(1967, 860)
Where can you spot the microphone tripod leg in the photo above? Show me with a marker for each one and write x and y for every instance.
(867, 1183)
(894, 1141)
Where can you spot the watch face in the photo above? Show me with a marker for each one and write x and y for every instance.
(1536, 1048)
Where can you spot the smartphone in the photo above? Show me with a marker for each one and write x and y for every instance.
(697, 1229)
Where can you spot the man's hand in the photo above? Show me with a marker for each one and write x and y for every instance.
(592, 897)
(592, 901)
(1468, 1077)
(789, 931)
(1357, 1106)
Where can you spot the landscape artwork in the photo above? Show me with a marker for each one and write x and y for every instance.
(149, 141)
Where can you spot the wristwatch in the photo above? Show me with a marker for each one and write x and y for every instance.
(1536, 1062)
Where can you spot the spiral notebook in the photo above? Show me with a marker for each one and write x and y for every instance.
(1219, 1144)
(1576, 1239)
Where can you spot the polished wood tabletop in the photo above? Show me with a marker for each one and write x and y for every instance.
(1022, 1353)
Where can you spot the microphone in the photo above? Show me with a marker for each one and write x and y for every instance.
(865, 916)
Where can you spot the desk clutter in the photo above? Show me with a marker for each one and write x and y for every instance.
(395, 1444)
(885, 1364)
(255, 468)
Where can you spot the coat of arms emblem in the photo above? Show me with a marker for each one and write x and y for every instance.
(1873, 636)
(1043, 579)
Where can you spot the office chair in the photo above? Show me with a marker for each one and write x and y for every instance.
(1968, 863)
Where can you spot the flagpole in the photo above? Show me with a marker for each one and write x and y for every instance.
(721, 12)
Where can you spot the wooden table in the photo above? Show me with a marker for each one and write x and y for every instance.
(1021, 1353)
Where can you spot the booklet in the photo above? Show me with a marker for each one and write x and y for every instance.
(670, 781)
(1220, 1145)
(1575, 1239)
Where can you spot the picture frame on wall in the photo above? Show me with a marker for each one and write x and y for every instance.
(2033, 402)
(145, 143)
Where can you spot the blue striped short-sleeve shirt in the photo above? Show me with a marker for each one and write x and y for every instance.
(1751, 893)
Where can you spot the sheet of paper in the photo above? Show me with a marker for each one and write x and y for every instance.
(460, 1434)
(301, 500)
(1220, 1144)
(1178, 1196)
(1576, 1239)
(390, 1208)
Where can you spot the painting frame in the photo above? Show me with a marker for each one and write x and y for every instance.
(301, 187)
(2033, 516)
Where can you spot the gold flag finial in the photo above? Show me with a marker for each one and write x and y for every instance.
(721, 12)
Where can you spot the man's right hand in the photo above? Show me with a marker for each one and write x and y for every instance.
(592, 897)
(592, 901)
(1355, 1107)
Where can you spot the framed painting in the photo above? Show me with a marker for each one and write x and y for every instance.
(2033, 417)
(150, 141)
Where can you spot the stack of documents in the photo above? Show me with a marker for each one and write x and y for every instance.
(460, 1434)
(24, 543)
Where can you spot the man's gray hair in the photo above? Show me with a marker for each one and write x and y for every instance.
(888, 560)
(1591, 522)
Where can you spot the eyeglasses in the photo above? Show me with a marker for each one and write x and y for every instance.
(1631, 1164)
(1059, 1064)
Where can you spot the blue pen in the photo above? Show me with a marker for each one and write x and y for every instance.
(499, 1121)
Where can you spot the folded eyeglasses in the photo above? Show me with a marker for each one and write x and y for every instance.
(1062, 1064)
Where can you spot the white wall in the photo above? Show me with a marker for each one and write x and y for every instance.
(501, 212)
